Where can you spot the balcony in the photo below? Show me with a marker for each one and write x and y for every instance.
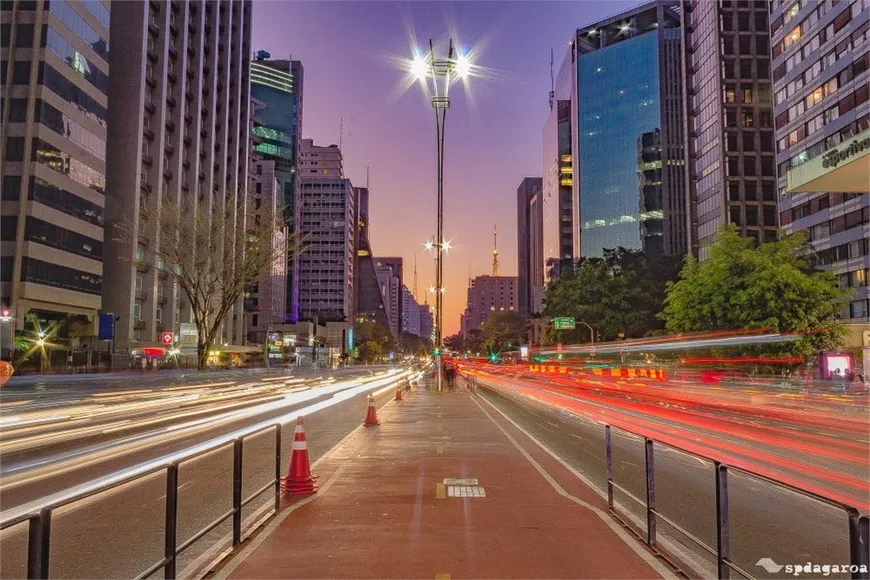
(150, 81)
(138, 325)
(172, 76)
(152, 56)
(170, 100)
(162, 299)
(147, 160)
(162, 274)
(153, 28)
(150, 107)
(142, 266)
(169, 149)
(170, 125)
(140, 295)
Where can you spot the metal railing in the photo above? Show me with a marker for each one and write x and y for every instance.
(858, 525)
(39, 522)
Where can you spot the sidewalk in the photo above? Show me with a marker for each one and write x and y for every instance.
(383, 510)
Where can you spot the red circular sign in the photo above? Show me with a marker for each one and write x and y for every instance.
(166, 337)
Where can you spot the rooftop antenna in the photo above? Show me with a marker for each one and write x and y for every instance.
(367, 177)
(495, 251)
(552, 82)
(469, 270)
(415, 278)
(341, 133)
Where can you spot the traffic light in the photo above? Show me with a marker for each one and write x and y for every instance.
(437, 352)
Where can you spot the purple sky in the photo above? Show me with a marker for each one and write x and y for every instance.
(493, 135)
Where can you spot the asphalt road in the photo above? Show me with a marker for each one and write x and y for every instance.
(120, 533)
(766, 520)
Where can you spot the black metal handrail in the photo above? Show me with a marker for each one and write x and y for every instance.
(39, 522)
(859, 526)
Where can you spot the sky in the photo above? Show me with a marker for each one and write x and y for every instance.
(354, 54)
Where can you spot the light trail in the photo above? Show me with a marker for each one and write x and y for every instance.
(339, 392)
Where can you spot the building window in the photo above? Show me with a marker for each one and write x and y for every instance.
(21, 72)
(137, 311)
(748, 119)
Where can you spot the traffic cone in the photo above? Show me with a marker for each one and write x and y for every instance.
(371, 415)
(299, 480)
(398, 393)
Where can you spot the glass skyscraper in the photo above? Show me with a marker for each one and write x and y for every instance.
(278, 85)
(630, 133)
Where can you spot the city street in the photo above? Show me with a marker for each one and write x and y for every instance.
(823, 449)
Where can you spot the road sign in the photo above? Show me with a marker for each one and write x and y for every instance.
(166, 337)
(564, 323)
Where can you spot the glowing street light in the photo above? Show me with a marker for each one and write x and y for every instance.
(443, 72)
(40, 341)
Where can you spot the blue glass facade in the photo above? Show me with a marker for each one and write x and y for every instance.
(619, 103)
(278, 85)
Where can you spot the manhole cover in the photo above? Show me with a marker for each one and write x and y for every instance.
(465, 491)
(460, 481)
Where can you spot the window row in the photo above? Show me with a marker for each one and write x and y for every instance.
(81, 65)
(855, 278)
(72, 20)
(57, 276)
(854, 41)
(65, 126)
(753, 215)
(47, 234)
(841, 253)
(850, 130)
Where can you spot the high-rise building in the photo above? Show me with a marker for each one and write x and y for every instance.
(427, 322)
(821, 86)
(369, 300)
(536, 269)
(411, 320)
(328, 232)
(559, 207)
(278, 85)
(55, 74)
(731, 174)
(391, 294)
(527, 213)
(178, 127)
(488, 295)
(396, 264)
(265, 300)
(628, 151)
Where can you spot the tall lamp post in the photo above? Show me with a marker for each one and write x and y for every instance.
(441, 72)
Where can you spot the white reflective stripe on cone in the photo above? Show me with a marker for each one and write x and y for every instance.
(299, 446)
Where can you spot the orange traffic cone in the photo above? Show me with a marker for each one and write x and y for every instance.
(371, 415)
(299, 479)
(398, 393)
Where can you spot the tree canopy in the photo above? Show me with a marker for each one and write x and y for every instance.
(212, 250)
(374, 340)
(621, 292)
(503, 330)
(741, 286)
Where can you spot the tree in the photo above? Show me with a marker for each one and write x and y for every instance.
(373, 339)
(503, 330)
(621, 292)
(212, 250)
(741, 286)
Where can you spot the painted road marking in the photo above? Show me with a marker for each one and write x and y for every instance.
(442, 576)
(439, 450)
(465, 491)
(440, 491)
(460, 481)
(439, 428)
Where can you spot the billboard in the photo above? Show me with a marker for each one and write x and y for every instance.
(187, 336)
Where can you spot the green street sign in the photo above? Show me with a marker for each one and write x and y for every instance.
(564, 323)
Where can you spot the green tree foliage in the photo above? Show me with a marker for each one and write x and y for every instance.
(374, 340)
(742, 286)
(621, 292)
(503, 330)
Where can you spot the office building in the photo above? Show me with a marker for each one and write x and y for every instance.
(278, 85)
(427, 322)
(488, 295)
(179, 128)
(396, 264)
(389, 272)
(411, 320)
(731, 172)
(559, 207)
(265, 300)
(529, 228)
(55, 67)
(369, 305)
(328, 230)
(821, 87)
(629, 156)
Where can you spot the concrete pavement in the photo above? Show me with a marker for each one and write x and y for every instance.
(445, 487)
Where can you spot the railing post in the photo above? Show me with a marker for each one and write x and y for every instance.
(277, 466)
(859, 544)
(237, 491)
(170, 537)
(723, 533)
(608, 457)
(649, 465)
(38, 545)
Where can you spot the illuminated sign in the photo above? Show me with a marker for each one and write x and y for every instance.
(835, 156)
(167, 337)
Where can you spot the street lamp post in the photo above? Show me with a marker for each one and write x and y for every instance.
(442, 72)
(591, 333)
